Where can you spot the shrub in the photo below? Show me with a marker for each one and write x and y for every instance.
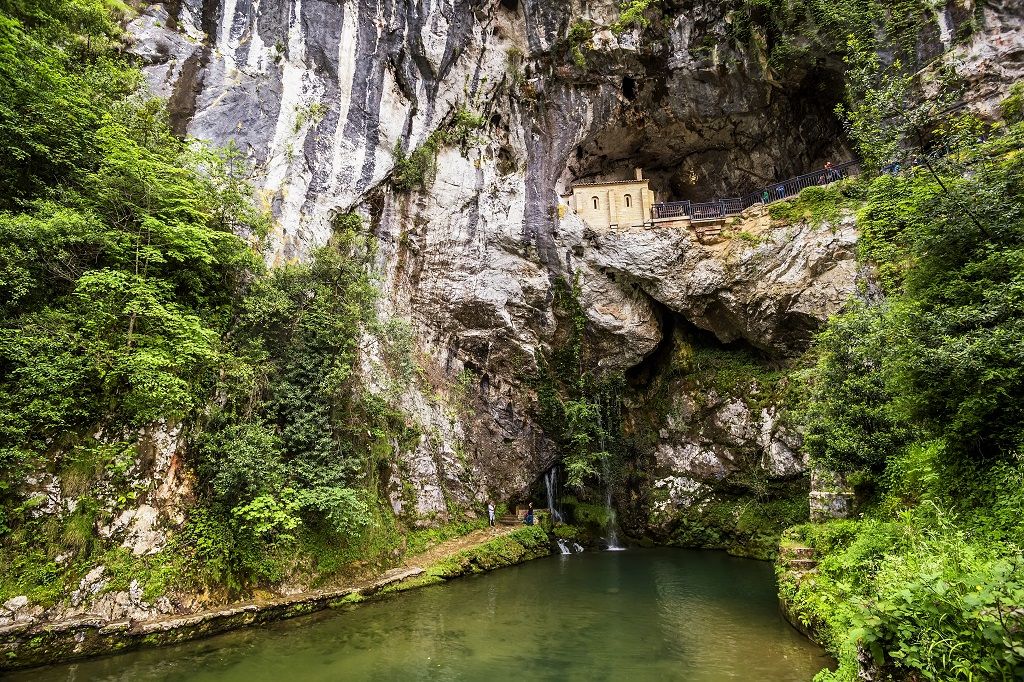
(632, 14)
(580, 34)
(1013, 106)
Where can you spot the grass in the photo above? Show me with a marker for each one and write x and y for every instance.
(421, 540)
(819, 205)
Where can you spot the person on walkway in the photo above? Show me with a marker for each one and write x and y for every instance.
(529, 515)
(490, 513)
(766, 197)
(780, 191)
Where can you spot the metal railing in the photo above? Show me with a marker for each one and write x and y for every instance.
(672, 209)
(722, 208)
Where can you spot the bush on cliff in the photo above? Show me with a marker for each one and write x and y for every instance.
(917, 399)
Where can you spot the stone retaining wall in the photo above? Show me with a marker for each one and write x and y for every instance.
(24, 645)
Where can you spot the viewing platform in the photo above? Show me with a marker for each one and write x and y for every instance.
(630, 204)
(712, 211)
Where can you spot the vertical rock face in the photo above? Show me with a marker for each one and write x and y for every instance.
(319, 95)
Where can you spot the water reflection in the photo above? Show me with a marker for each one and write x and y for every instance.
(638, 615)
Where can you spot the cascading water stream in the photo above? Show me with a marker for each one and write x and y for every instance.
(565, 548)
(612, 538)
(551, 482)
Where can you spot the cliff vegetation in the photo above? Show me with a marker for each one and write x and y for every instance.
(914, 400)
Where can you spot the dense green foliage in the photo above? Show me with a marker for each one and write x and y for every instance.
(579, 39)
(920, 590)
(633, 14)
(916, 399)
(134, 302)
(292, 410)
(578, 407)
(59, 80)
(792, 33)
(943, 354)
(119, 271)
(1013, 106)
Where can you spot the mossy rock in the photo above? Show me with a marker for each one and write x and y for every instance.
(566, 531)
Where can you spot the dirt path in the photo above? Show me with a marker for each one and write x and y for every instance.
(457, 544)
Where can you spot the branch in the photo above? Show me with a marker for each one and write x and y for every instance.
(931, 169)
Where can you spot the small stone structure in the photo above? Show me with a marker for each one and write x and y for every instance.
(831, 497)
(613, 205)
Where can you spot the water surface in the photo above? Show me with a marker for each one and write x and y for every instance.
(658, 614)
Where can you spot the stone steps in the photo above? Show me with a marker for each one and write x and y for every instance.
(799, 559)
(798, 552)
(801, 564)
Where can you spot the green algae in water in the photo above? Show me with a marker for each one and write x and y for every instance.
(658, 614)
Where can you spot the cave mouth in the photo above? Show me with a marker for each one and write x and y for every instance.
(675, 328)
(697, 142)
(629, 88)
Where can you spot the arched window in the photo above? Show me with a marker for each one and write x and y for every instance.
(596, 202)
(628, 199)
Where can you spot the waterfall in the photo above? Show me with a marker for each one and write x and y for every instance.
(551, 481)
(565, 548)
(612, 538)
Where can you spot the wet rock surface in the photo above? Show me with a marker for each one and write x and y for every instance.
(317, 96)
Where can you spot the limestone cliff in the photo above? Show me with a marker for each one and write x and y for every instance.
(320, 95)
(323, 97)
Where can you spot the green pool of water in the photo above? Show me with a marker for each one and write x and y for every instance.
(639, 615)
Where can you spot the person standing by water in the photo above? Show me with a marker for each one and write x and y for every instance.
(490, 513)
(528, 520)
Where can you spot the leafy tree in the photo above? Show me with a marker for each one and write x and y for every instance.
(853, 420)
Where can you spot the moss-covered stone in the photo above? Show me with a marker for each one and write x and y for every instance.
(26, 645)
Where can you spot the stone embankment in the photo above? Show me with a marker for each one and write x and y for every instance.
(24, 645)
(795, 564)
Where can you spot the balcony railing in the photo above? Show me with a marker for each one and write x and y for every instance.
(723, 208)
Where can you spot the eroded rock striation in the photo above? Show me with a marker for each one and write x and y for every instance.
(322, 97)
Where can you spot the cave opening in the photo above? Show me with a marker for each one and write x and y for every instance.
(700, 142)
(641, 375)
(676, 329)
(629, 88)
